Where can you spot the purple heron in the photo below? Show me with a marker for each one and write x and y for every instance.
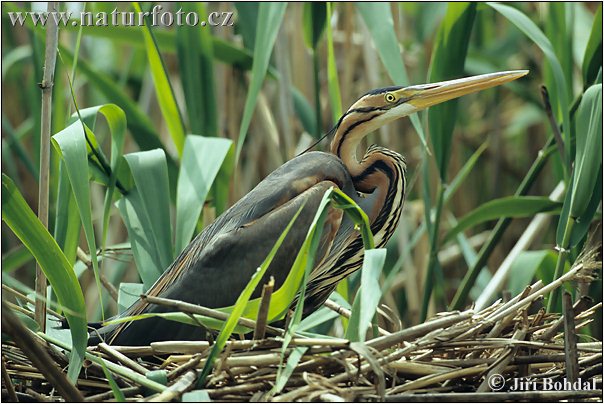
(217, 265)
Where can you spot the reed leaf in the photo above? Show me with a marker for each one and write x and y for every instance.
(201, 160)
(378, 19)
(163, 88)
(146, 213)
(71, 144)
(28, 228)
(511, 206)
(270, 16)
(368, 296)
(592, 60)
(448, 59)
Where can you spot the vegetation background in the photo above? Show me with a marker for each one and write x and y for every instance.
(224, 106)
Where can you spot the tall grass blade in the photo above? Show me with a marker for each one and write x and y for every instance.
(333, 85)
(201, 160)
(196, 56)
(270, 16)
(71, 144)
(588, 157)
(378, 19)
(26, 226)
(163, 88)
(592, 60)
(448, 59)
(511, 206)
(67, 220)
(146, 213)
(531, 30)
(116, 121)
(368, 296)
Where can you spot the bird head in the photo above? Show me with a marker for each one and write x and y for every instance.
(381, 106)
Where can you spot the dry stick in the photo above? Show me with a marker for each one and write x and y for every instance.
(37, 355)
(192, 363)
(570, 339)
(118, 356)
(342, 311)
(498, 368)
(265, 302)
(204, 311)
(9, 384)
(50, 59)
(20, 295)
(578, 307)
(109, 394)
(109, 287)
(177, 389)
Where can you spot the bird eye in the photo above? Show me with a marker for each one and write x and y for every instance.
(390, 97)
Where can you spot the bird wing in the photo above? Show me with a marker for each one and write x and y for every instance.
(214, 268)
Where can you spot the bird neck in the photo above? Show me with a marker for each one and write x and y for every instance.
(349, 132)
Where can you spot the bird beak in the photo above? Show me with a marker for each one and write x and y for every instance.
(425, 95)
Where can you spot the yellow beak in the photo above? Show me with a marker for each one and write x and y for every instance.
(425, 95)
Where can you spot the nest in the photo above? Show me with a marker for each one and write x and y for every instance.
(510, 351)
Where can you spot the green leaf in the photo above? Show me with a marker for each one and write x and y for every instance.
(378, 19)
(116, 120)
(270, 16)
(313, 22)
(367, 298)
(559, 90)
(26, 226)
(163, 88)
(511, 206)
(284, 375)
(201, 160)
(196, 56)
(592, 60)
(448, 59)
(117, 393)
(333, 85)
(247, 20)
(67, 219)
(304, 111)
(71, 144)
(15, 258)
(146, 213)
(127, 295)
(526, 265)
(588, 150)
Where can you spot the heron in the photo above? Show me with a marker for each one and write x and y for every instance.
(216, 266)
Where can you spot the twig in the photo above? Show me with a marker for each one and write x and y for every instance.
(37, 355)
(109, 287)
(109, 394)
(50, 59)
(578, 307)
(20, 295)
(265, 301)
(177, 389)
(570, 339)
(122, 358)
(204, 311)
(9, 384)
